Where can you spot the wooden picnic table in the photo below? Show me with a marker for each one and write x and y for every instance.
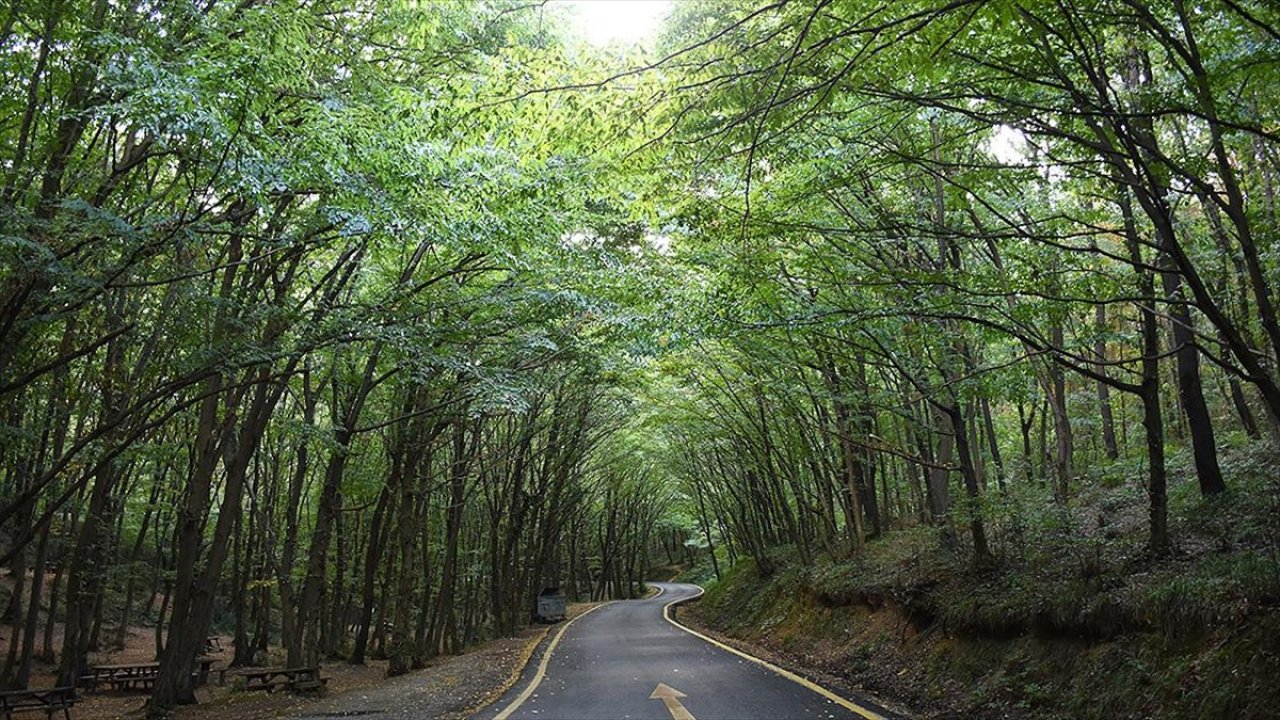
(46, 700)
(299, 679)
(139, 676)
(127, 676)
(200, 674)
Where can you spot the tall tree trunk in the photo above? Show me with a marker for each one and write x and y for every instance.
(195, 593)
(993, 444)
(290, 625)
(443, 621)
(1104, 390)
(23, 677)
(1138, 75)
(706, 528)
(1063, 436)
(981, 552)
(372, 561)
(331, 500)
(1190, 386)
(88, 560)
(1152, 419)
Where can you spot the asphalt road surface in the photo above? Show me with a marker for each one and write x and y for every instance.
(626, 660)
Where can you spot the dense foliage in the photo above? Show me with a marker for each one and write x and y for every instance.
(308, 331)
(956, 252)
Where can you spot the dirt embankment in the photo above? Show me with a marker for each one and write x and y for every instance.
(1077, 620)
(916, 663)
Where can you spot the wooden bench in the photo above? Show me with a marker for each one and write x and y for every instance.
(300, 679)
(45, 700)
(139, 676)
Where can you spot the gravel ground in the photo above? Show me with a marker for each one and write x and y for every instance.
(449, 687)
(452, 687)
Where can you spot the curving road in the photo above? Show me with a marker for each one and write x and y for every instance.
(626, 660)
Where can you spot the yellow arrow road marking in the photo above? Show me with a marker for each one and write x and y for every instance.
(671, 698)
(815, 687)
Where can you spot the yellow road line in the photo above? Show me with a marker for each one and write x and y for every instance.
(513, 677)
(542, 667)
(842, 702)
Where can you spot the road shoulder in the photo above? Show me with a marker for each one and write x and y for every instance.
(524, 680)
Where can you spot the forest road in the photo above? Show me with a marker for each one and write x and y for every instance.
(627, 660)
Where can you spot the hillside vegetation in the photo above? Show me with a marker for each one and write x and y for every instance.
(1078, 622)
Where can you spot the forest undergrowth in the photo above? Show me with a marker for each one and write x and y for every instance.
(1065, 625)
